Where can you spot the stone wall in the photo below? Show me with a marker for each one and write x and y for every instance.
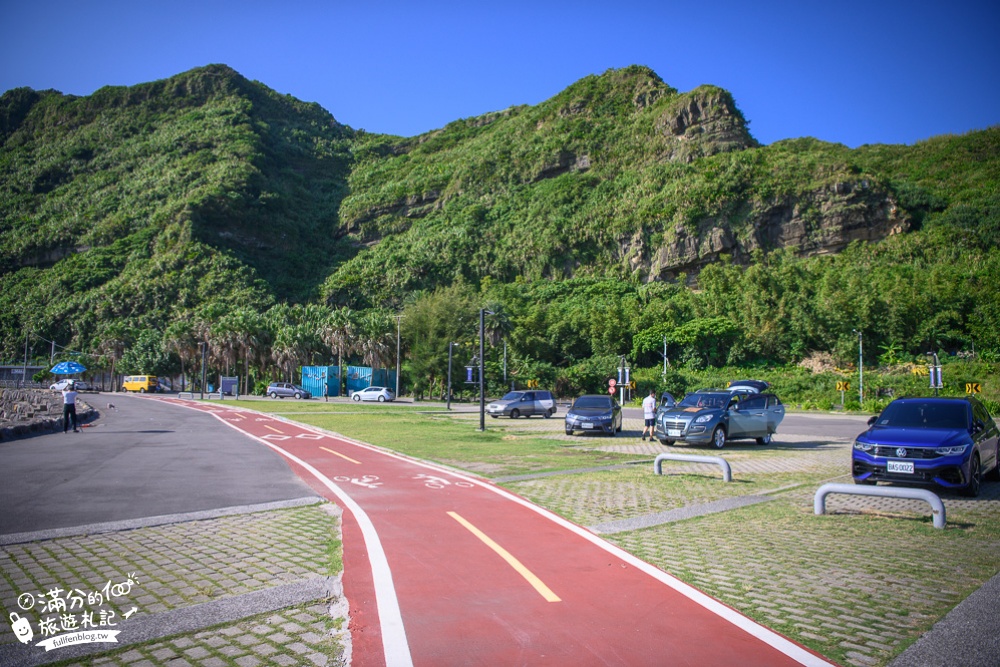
(26, 412)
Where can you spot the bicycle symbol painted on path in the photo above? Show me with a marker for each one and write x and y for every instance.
(367, 481)
(434, 482)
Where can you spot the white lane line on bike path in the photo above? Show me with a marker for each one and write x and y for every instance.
(394, 642)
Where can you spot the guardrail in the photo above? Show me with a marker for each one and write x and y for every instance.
(727, 472)
(208, 394)
(937, 507)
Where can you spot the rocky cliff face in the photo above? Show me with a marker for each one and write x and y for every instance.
(821, 222)
(704, 122)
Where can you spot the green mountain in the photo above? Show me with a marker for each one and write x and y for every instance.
(147, 204)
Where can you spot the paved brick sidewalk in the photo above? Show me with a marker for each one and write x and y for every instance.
(857, 590)
(245, 589)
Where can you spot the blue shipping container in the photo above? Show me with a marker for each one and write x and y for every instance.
(362, 377)
(321, 380)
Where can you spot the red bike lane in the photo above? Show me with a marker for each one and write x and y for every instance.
(445, 569)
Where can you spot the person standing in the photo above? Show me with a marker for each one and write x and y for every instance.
(69, 406)
(649, 413)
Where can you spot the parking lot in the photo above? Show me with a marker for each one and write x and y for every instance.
(859, 584)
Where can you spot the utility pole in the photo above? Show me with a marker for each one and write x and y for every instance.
(482, 395)
(398, 318)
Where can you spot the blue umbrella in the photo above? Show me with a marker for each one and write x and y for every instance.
(67, 368)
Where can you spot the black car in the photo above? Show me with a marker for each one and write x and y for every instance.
(594, 412)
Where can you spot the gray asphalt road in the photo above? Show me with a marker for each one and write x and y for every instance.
(143, 459)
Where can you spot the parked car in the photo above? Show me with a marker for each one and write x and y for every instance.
(945, 442)
(516, 404)
(380, 394)
(82, 385)
(716, 416)
(284, 389)
(60, 385)
(594, 412)
(140, 383)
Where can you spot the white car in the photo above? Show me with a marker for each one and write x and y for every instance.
(380, 394)
(61, 385)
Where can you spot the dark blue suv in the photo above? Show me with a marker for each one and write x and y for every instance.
(948, 442)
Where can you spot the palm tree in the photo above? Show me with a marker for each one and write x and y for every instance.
(497, 326)
(377, 338)
(291, 345)
(180, 337)
(338, 333)
(245, 332)
(223, 343)
(112, 342)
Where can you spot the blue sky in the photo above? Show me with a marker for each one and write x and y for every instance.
(849, 72)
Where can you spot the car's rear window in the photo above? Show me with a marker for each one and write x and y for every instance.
(925, 415)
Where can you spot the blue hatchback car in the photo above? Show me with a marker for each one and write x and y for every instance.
(947, 442)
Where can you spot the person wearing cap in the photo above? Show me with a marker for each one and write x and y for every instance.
(69, 406)
(649, 414)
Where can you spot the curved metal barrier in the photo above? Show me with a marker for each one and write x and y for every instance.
(727, 472)
(937, 507)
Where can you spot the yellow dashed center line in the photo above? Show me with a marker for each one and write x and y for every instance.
(272, 428)
(348, 458)
(542, 589)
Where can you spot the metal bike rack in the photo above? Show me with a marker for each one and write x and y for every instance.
(727, 472)
(937, 507)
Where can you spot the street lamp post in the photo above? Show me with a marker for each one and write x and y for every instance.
(398, 318)
(664, 357)
(24, 368)
(450, 346)
(482, 384)
(203, 369)
(861, 370)
(935, 373)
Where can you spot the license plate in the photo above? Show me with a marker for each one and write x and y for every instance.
(587, 425)
(674, 432)
(901, 466)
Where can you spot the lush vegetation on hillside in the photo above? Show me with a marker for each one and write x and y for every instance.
(614, 218)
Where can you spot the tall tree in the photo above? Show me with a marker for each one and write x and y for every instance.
(338, 332)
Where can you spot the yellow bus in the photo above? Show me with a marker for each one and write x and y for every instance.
(140, 383)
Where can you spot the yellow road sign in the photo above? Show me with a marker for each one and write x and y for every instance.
(843, 386)
(973, 388)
